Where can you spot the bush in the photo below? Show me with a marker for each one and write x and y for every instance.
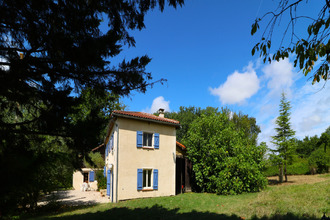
(224, 162)
(320, 160)
(299, 166)
(271, 170)
(101, 180)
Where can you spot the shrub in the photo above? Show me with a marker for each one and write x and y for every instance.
(224, 161)
(298, 168)
(101, 180)
(271, 170)
(320, 160)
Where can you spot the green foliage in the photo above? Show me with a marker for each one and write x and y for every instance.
(96, 160)
(298, 167)
(308, 49)
(320, 160)
(101, 180)
(306, 146)
(186, 115)
(30, 168)
(223, 160)
(284, 137)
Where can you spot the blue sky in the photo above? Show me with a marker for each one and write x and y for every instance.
(204, 51)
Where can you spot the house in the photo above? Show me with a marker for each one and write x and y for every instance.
(84, 179)
(140, 155)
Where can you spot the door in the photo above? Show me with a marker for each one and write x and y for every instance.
(180, 175)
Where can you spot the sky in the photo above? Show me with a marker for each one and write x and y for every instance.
(204, 51)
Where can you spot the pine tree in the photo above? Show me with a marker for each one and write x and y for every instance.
(284, 137)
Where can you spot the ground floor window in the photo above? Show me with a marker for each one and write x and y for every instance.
(147, 178)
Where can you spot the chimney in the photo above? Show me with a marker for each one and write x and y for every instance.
(161, 112)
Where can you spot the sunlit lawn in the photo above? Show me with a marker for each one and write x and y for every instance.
(307, 201)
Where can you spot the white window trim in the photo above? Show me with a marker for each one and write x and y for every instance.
(152, 139)
(151, 178)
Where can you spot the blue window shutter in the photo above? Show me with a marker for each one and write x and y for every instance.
(139, 135)
(156, 141)
(155, 178)
(91, 176)
(105, 171)
(108, 182)
(139, 179)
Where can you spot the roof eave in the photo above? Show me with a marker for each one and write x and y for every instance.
(146, 119)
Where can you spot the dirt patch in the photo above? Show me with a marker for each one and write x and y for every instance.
(298, 180)
(75, 198)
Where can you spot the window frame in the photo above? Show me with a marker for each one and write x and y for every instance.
(149, 175)
(143, 139)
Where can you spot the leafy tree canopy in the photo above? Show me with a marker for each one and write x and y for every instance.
(224, 160)
(186, 115)
(309, 48)
(51, 50)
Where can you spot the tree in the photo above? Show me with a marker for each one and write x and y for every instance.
(284, 137)
(224, 161)
(309, 48)
(52, 50)
(186, 115)
(54, 57)
(247, 125)
(306, 146)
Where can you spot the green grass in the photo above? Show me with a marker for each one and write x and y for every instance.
(307, 201)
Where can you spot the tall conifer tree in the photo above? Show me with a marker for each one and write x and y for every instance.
(284, 134)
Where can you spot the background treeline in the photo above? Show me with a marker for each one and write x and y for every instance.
(310, 156)
(211, 132)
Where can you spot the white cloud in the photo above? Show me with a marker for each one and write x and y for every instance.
(310, 109)
(310, 113)
(279, 76)
(158, 103)
(238, 87)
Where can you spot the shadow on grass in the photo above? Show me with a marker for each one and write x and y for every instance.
(158, 212)
(276, 182)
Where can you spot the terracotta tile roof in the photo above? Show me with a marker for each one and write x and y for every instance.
(181, 146)
(98, 147)
(142, 115)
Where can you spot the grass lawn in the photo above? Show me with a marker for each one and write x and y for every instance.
(304, 201)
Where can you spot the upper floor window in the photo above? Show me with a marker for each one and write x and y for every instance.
(147, 139)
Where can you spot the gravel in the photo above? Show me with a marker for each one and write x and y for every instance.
(75, 198)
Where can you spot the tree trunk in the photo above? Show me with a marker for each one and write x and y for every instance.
(286, 176)
(280, 176)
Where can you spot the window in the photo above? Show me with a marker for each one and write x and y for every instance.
(147, 179)
(147, 139)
